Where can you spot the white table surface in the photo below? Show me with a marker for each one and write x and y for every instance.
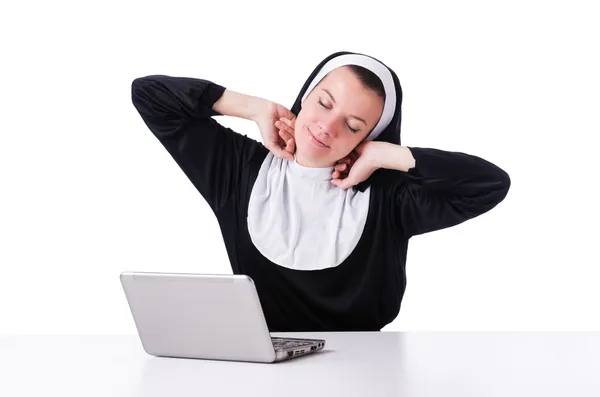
(353, 364)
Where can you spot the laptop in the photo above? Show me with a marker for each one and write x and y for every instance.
(202, 316)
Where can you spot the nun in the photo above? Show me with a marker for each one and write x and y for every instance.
(320, 213)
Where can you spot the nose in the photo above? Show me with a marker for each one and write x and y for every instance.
(328, 126)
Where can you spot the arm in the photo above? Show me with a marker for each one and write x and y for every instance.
(236, 104)
(179, 110)
(439, 189)
(168, 104)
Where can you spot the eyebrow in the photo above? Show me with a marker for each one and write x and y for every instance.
(333, 99)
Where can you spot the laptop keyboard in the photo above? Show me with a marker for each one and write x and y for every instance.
(284, 343)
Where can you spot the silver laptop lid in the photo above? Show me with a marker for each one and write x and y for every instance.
(198, 316)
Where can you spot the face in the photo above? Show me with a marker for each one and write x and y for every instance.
(335, 117)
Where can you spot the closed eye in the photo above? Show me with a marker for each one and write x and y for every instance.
(322, 104)
(354, 131)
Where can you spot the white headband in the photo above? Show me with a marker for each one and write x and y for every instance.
(374, 66)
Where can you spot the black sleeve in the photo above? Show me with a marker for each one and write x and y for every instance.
(178, 111)
(445, 189)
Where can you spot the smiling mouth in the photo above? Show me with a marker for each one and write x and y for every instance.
(313, 137)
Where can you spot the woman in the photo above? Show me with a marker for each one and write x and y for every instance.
(323, 257)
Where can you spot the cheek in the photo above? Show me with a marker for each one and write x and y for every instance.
(308, 114)
(344, 146)
(303, 120)
(349, 144)
(301, 134)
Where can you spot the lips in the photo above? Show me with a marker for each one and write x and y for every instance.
(316, 140)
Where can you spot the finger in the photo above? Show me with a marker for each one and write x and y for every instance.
(276, 149)
(341, 167)
(287, 139)
(284, 127)
(343, 174)
(289, 129)
(286, 136)
(342, 183)
(284, 154)
(335, 175)
(288, 122)
(289, 146)
(346, 184)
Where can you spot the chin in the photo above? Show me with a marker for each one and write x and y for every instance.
(311, 159)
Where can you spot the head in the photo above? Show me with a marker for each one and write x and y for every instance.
(339, 112)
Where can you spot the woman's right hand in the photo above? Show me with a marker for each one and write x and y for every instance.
(278, 141)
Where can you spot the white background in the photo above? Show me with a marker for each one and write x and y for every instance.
(88, 192)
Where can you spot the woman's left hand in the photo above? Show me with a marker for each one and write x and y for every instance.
(287, 133)
(356, 167)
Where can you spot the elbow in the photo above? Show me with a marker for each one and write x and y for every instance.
(141, 97)
(504, 182)
(137, 85)
(501, 187)
(494, 190)
(491, 194)
(142, 92)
